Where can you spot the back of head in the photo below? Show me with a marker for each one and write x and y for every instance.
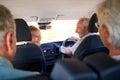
(6, 22)
(7, 34)
(108, 14)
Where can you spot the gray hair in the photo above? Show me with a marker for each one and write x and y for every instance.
(85, 21)
(6, 22)
(108, 13)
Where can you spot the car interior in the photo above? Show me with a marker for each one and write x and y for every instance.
(28, 56)
(91, 60)
(53, 66)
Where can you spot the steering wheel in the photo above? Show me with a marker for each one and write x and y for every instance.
(67, 43)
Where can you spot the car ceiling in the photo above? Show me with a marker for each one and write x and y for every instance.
(32, 10)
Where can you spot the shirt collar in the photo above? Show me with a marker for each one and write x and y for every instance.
(116, 57)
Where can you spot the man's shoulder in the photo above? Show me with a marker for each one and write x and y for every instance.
(7, 73)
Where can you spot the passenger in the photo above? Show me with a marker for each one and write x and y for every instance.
(82, 30)
(36, 35)
(8, 47)
(108, 13)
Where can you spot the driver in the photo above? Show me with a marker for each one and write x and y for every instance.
(82, 31)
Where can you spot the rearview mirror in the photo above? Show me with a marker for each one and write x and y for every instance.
(44, 26)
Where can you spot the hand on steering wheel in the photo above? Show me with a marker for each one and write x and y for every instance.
(66, 43)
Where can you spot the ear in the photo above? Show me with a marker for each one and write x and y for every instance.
(9, 44)
(106, 31)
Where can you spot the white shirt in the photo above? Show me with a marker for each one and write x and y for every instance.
(74, 47)
(117, 58)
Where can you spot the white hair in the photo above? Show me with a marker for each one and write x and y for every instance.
(108, 13)
(85, 21)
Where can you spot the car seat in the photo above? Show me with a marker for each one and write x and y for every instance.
(106, 67)
(28, 56)
(72, 69)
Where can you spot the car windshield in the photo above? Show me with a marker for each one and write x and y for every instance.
(60, 30)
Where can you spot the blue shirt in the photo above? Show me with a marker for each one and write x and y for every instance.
(5, 63)
(7, 72)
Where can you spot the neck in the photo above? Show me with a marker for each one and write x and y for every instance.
(114, 51)
(3, 54)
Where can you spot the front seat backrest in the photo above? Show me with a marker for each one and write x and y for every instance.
(28, 56)
(90, 45)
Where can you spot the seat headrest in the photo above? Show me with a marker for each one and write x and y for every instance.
(92, 27)
(72, 69)
(22, 31)
(107, 68)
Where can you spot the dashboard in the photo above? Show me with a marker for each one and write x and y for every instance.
(51, 51)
